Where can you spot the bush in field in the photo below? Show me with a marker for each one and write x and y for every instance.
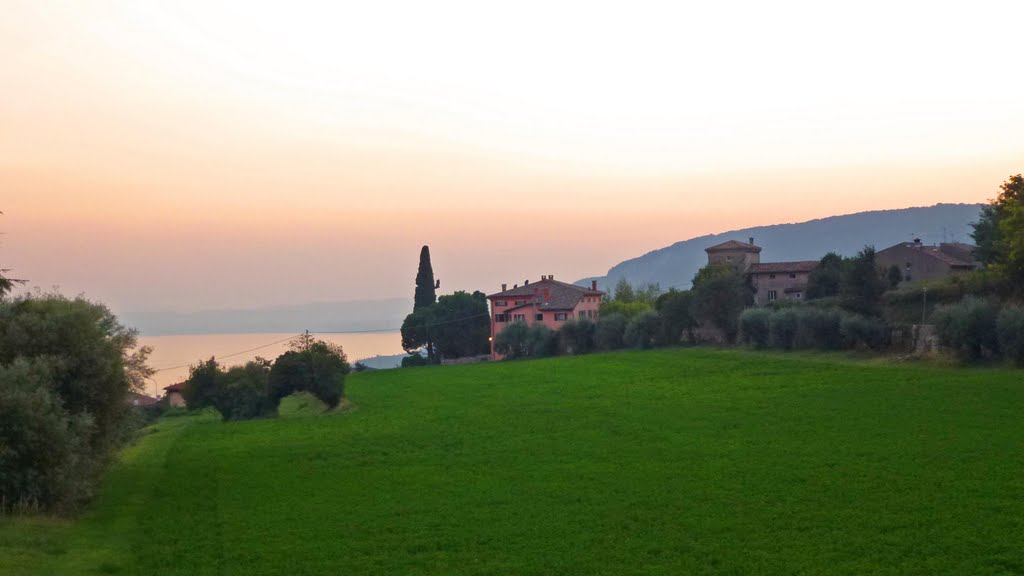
(969, 327)
(609, 330)
(862, 332)
(720, 294)
(66, 368)
(577, 336)
(677, 320)
(414, 360)
(514, 341)
(243, 393)
(643, 330)
(520, 340)
(313, 366)
(782, 328)
(818, 328)
(45, 457)
(1010, 329)
(543, 341)
(202, 386)
(754, 327)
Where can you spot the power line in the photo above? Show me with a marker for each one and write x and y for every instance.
(233, 354)
(293, 336)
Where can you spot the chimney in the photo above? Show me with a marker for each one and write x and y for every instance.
(751, 240)
(543, 277)
(551, 276)
(593, 285)
(504, 287)
(917, 241)
(526, 282)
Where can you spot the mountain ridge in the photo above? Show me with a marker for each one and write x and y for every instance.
(673, 266)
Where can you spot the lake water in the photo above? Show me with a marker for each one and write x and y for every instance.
(172, 354)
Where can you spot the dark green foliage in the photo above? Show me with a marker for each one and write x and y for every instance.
(862, 332)
(543, 341)
(995, 231)
(426, 293)
(629, 301)
(969, 327)
(577, 336)
(201, 387)
(416, 331)
(862, 284)
(609, 330)
(514, 341)
(782, 328)
(460, 325)
(677, 320)
(720, 294)
(1010, 330)
(818, 328)
(414, 360)
(894, 276)
(755, 327)
(824, 281)
(312, 366)
(519, 340)
(71, 360)
(46, 462)
(643, 330)
(243, 393)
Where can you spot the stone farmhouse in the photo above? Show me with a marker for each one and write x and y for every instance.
(547, 302)
(919, 261)
(173, 395)
(771, 280)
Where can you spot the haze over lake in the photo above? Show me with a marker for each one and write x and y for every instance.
(172, 354)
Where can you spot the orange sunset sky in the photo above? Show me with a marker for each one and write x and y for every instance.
(192, 155)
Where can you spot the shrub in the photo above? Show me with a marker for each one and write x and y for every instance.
(543, 341)
(782, 328)
(677, 319)
(243, 392)
(608, 332)
(514, 341)
(862, 332)
(642, 330)
(1010, 330)
(577, 336)
(414, 360)
(754, 327)
(68, 365)
(46, 462)
(312, 366)
(969, 327)
(818, 328)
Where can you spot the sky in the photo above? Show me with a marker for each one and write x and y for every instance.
(201, 155)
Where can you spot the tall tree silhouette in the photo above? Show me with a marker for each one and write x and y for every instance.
(426, 289)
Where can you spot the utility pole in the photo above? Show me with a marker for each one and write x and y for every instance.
(924, 303)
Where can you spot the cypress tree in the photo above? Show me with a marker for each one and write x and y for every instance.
(426, 294)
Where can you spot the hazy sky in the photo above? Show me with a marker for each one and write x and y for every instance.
(191, 155)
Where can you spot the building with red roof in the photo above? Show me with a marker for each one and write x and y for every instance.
(548, 302)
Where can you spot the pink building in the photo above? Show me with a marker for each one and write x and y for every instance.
(547, 302)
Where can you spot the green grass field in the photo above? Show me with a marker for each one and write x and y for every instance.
(667, 462)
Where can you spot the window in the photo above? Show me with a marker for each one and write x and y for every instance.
(583, 313)
(520, 302)
(539, 318)
(772, 295)
(500, 303)
(500, 317)
(560, 316)
(519, 317)
(771, 276)
(729, 258)
(798, 295)
(792, 275)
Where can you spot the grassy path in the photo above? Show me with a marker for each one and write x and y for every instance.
(666, 462)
